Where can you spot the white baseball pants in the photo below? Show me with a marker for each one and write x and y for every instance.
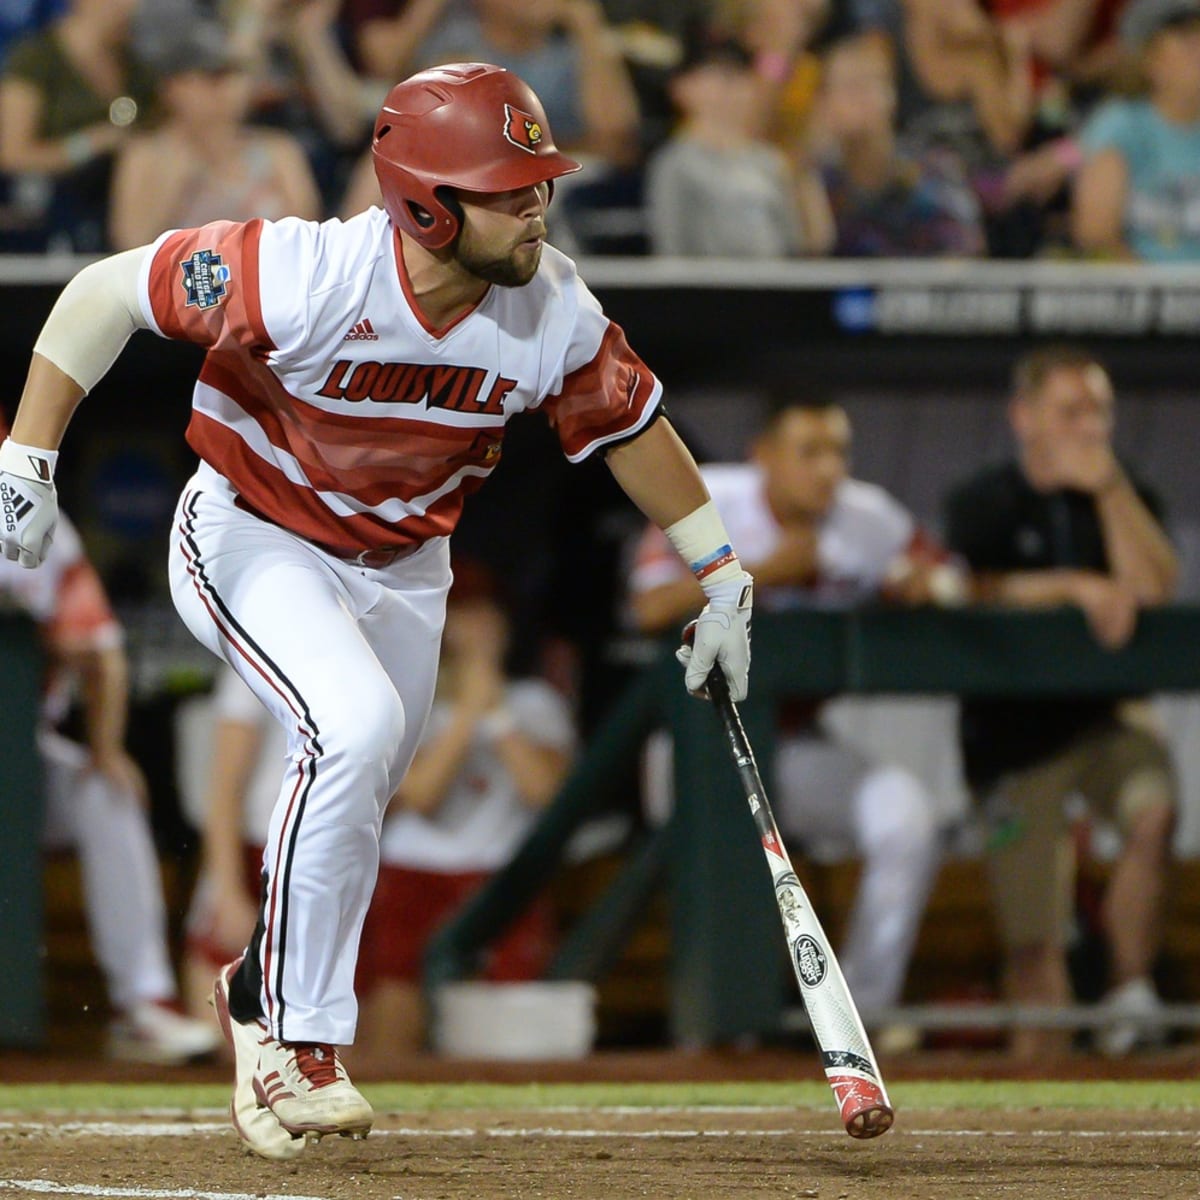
(345, 657)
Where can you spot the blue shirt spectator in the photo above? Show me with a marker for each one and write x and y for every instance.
(1162, 158)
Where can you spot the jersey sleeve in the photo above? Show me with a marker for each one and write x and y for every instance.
(603, 392)
(231, 284)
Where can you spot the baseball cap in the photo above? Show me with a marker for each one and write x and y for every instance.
(1142, 19)
(204, 47)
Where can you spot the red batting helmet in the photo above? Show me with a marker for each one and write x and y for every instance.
(464, 125)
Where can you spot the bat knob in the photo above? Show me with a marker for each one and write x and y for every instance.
(866, 1112)
(870, 1122)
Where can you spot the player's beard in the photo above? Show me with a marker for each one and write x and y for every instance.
(514, 269)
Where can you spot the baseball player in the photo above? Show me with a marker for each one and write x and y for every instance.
(358, 379)
(95, 803)
(817, 538)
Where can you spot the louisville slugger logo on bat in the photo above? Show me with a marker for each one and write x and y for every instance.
(846, 1055)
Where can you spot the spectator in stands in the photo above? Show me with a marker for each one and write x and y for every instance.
(958, 56)
(885, 202)
(717, 187)
(495, 751)
(820, 539)
(68, 97)
(95, 802)
(1074, 40)
(1138, 194)
(232, 756)
(652, 35)
(1064, 524)
(966, 84)
(203, 163)
(563, 48)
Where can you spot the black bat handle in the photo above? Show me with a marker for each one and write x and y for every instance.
(743, 754)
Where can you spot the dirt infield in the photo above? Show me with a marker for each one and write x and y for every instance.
(613, 1154)
(549, 1148)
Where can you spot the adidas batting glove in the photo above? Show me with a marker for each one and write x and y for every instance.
(720, 634)
(28, 502)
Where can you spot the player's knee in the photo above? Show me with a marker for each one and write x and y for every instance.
(365, 732)
(895, 814)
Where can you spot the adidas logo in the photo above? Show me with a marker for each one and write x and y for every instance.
(361, 332)
(14, 506)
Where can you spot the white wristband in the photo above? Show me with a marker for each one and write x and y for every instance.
(28, 462)
(703, 544)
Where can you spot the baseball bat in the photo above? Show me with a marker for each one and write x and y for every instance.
(846, 1053)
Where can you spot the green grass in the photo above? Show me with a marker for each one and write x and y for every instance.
(401, 1097)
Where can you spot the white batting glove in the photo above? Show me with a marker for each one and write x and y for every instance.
(28, 502)
(720, 634)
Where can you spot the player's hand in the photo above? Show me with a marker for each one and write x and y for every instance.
(28, 506)
(720, 634)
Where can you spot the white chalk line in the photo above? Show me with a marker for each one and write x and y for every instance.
(116, 1129)
(47, 1187)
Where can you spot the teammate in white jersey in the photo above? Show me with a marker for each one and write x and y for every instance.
(357, 383)
(816, 538)
(95, 803)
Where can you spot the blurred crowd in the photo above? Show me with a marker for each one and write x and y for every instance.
(730, 128)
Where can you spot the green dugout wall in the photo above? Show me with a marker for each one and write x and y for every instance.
(21, 1009)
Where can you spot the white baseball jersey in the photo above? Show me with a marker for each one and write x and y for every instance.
(482, 820)
(333, 407)
(859, 539)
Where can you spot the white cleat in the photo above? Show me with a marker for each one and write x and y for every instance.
(153, 1032)
(305, 1085)
(255, 1124)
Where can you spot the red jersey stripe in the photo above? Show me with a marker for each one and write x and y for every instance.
(301, 511)
(618, 379)
(358, 458)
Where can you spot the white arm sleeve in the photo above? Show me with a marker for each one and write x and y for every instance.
(93, 318)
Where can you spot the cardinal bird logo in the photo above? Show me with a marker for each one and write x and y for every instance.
(521, 129)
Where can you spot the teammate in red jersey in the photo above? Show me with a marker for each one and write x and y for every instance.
(310, 549)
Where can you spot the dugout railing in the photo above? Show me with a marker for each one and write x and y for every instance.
(724, 928)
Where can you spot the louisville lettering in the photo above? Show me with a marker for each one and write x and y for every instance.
(460, 389)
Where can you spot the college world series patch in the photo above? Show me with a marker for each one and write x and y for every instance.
(205, 279)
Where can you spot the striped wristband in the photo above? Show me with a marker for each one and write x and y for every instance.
(703, 544)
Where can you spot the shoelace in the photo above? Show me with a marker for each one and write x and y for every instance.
(317, 1063)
